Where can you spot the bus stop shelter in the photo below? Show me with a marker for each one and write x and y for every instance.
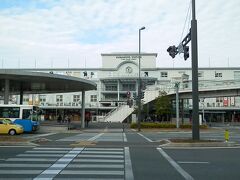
(18, 82)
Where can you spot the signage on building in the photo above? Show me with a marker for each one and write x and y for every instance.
(127, 58)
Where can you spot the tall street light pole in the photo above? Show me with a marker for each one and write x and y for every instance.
(195, 96)
(139, 78)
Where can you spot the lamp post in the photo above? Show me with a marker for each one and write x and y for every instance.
(139, 78)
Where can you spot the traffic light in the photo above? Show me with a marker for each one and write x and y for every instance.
(142, 95)
(186, 52)
(134, 95)
(128, 94)
(172, 50)
(143, 85)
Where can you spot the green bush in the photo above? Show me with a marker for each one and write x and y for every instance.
(189, 126)
(154, 125)
(164, 125)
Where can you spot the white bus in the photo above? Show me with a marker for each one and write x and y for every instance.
(20, 113)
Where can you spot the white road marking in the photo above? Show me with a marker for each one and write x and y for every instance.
(52, 148)
(40, 155)
(20, 171)
(32, 159)
(101, 156)
(124, 137)
(95, 137)
(55, 169)
(102, 149)
(99, 160)
(128, 165)
(197, 148)
(50, 152)
(24, 165)
(90, 172)
(112, 166)
(175, 165)
(102, 152)
(40, 135)
(192, 162)
(145, 137)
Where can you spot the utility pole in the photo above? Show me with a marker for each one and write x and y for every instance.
(183, 48)
(195, 95)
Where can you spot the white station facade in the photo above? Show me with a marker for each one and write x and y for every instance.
(119, 76)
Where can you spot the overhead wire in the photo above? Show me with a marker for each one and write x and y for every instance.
(186, 19)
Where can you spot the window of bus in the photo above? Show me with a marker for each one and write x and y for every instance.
(9, 112)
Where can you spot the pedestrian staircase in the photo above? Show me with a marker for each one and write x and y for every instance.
(122, 112)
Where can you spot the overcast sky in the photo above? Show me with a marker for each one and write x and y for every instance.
(74, 33)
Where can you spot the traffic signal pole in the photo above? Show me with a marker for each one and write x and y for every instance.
(182, 48)
(195, 96)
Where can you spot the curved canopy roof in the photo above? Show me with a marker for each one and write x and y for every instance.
(40, 83)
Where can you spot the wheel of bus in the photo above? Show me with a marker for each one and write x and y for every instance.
(12, 132)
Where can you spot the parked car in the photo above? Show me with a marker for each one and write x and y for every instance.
(8, 127)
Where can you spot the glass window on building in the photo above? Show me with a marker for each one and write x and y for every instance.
(111, 87)
(129, 87)
(42, 98)
(219, 99)
(218, 74)
(59, 98)
(164, 74)
(236, 74)
(200, 74)
(25, 98)
(93, 98)
(76, 98)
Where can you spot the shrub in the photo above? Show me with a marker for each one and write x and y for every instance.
(164, 125)
(153, 125)
(189, 126)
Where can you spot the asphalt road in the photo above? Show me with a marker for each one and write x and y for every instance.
(106, 152)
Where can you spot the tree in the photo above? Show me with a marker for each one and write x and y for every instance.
(163, 105)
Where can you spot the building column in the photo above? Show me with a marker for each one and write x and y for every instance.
(21, 94)
(118, 89)
(6, 92)
(83, 110)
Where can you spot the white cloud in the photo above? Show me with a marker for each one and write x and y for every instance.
(82, 30)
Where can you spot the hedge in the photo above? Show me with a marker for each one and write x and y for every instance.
(164, 125)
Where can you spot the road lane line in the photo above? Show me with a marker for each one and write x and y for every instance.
(197, 148)
(24, 165)
(145, 137)
(32, 159)
(128, 165)
(43, 148)
(20, 171)
(99, 166)
(124, 137)
(102, 152)
(175, 165)
(192, 162)
(102, 149)
(99, 160)
(95, 137)
(39, 135)
(101, 156)
(90, 172)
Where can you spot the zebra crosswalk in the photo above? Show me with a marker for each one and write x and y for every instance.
(69, 163)
(115, 137)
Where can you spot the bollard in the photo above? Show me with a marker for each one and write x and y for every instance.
(226, 134)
